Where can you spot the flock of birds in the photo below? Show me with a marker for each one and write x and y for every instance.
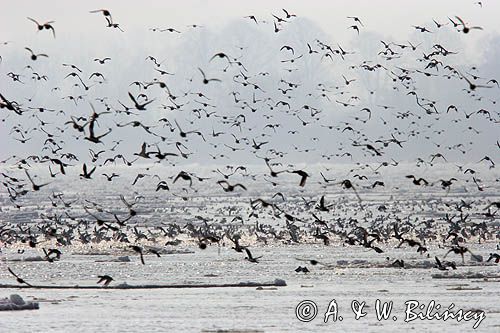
(182, 130)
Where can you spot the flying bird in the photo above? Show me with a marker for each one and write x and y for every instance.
(47, 25)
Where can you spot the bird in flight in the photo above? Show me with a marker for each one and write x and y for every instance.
(47, 25)
(105, 12)
(465, 28)
(36, 187)
(104, 278)
(356, 19)
(102, 61)
(34, 56)
(138, 105)
(249, 256)
(18, 279)
(228, 187)
(205, 80)
(139, 251)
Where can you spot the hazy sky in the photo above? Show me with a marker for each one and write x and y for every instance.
(82, 36)
(389, 17)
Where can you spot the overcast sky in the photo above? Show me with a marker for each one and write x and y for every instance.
(82, 36)
(388, 17)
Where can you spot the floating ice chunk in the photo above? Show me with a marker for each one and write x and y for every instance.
(16, 302)
(476, 258)
(16, 299)
(279, 282)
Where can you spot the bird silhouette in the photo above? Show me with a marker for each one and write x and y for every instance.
(47, 25)
(34, 56)
(465, 28)
(205, 80)
(18, 279)
(105, 279)
(250, 258)
(138, 250)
